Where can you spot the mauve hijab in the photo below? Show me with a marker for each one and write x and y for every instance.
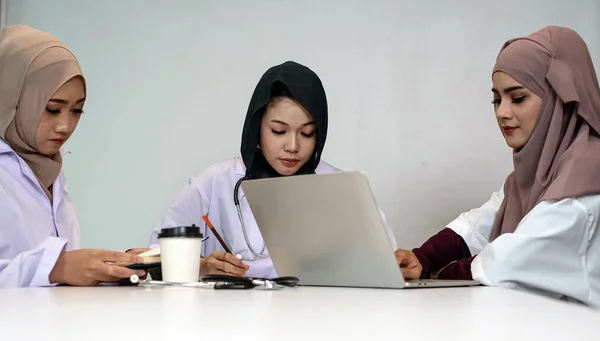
(561, 159)
(33, 66)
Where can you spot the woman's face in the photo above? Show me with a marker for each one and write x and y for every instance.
(287, 135)
(60, 117)
(517, 109)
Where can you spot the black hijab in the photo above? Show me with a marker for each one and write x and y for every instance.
(305, 87)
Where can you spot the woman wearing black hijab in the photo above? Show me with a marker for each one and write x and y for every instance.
(284, 134)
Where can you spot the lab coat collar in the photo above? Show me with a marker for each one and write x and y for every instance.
(240, 168)
(5, 148)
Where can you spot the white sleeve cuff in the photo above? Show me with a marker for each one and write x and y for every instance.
(52, 247)
(477, 271)
(468, 235)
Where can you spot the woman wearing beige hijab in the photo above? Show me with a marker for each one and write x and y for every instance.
(538, 233)
(42, 93)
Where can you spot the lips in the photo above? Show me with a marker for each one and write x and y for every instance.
(58, 141)
(290, 162)
(508, 130)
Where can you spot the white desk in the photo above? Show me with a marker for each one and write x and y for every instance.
(132, 313)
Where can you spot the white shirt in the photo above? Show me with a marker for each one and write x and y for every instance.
(555, 250)
(211, 192)
(32, 231)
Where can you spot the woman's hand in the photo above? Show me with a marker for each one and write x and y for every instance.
(137, 251)
(88, 267)
(222, 263)
(409, 264)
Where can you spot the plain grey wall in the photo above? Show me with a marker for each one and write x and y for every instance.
(408, 85)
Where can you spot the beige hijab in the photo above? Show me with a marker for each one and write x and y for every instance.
(33, 66)
(561, 159)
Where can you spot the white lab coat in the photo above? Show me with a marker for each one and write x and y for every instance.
(211, 192)
(29, 245)
(555, 250)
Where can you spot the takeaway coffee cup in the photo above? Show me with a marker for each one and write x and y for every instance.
(180, 249)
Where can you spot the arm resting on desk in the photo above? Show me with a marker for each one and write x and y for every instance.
(475, 226)
(31, 268)
(553, 252)
(448, 255)
(440, 251)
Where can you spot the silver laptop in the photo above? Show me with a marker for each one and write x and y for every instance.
(327, 231)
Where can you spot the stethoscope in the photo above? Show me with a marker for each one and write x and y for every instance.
(224, 282)
(236, 201)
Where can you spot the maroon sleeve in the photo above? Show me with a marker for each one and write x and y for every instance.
(458, 270)
(442, 249)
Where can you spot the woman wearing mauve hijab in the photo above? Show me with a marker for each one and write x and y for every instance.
(284, 134)
(42, 93)
(539, 233)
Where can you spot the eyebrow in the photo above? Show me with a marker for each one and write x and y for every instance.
(62, 101)
(285, 124)
(509, 89)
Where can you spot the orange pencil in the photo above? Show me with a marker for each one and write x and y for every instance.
(214, 231)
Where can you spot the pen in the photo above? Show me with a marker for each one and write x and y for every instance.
(214, 231)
